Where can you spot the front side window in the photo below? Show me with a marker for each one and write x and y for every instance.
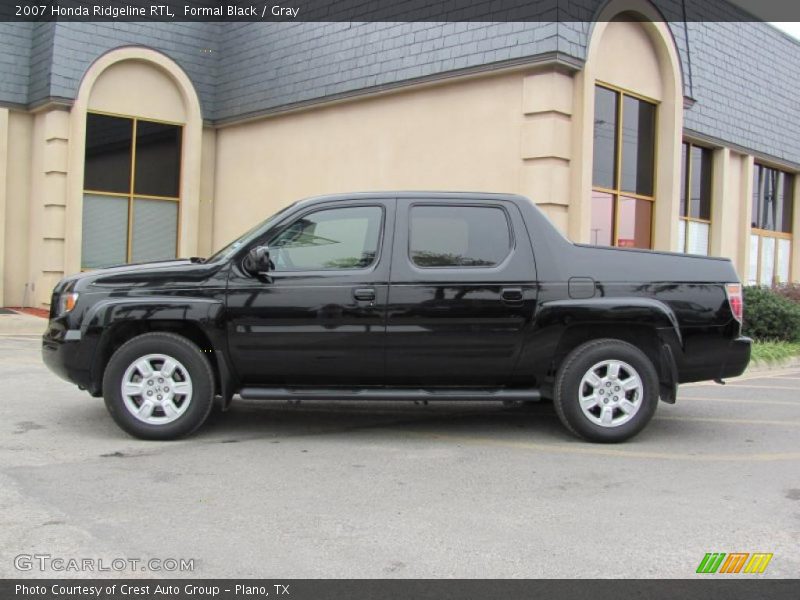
(131, 190)
(772, 211)
(623, 169)
(458, 236)
(334, 239)
(694, 224)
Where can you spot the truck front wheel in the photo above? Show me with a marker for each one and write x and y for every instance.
(606, 390)
(158, 386)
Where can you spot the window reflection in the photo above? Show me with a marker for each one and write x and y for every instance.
(635, 218)
(623, 169)
(638, 146)
(602, 231)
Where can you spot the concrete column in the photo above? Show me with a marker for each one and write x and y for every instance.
(580, 208)
(669, 134)
(15, 221)
(47, 204)
(546, 143)
(745, 199)
(794, 272)
(206, 211)
(3, 188)
(724, 212)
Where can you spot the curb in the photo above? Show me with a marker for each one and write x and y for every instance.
(21, 324)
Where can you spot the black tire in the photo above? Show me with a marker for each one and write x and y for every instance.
(191, 359)
(567, 394)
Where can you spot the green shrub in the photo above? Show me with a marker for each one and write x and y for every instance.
(769, 315)
(774, 352)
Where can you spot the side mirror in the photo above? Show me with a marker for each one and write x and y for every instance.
(257, 262)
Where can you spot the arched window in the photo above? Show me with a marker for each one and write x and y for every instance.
(134, 162)
(632, 121)
(623, 169)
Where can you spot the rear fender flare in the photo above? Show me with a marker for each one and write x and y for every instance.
(624, 313)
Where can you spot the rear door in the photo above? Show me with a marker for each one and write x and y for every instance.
(462, 292)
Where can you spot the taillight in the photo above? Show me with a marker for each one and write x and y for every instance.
(735, 299)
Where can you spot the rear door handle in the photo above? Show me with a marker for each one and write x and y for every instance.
(511, 294)
(364, 294)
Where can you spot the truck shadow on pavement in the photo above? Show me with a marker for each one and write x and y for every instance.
(248, 420)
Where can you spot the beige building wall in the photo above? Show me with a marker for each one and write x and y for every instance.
(794, 273)
(527, 130)
(16, 217)
(46, 204)
(207, 184)
(464, 135)
(3, 192)
(745, 197)
(722, 239)
(730, 208)
(547, 142)
(41, 169)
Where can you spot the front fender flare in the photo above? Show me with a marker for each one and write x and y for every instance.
(207, 314)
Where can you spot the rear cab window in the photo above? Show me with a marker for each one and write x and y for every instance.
(458, 236)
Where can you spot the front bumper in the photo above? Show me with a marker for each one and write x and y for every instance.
(67, 355)
(737, 357)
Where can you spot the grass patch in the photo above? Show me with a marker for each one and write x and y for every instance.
(773, 352)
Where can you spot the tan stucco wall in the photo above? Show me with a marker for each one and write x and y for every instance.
(626, 57)
(46, 203)
(527, 130)
(16, 225)
(729, 209)
(745, 196)
(207, 177)
(794, 274)
(547, 142)
(461, 136)
(135, 87)
(3, 193)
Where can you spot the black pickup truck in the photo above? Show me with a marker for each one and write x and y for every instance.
(399, 295)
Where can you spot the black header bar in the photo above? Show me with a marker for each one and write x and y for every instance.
(713, 587)
(383, 10)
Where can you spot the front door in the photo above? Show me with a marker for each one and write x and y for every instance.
(320, 318)
(462, 293)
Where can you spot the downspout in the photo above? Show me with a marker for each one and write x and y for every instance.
(688, 51)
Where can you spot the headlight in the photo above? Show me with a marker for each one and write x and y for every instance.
(66, 302)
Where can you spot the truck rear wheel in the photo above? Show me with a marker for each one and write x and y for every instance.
(606, 390)
(158, 386)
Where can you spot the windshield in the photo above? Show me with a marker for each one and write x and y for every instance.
(226, 252)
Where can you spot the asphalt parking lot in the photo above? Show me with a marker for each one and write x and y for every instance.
(398, 489)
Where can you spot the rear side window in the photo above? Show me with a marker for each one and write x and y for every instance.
(458, 236)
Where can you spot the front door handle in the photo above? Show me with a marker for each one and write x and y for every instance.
(364, 294)
(511, 294)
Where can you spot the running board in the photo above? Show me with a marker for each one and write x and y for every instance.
(283, 393)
